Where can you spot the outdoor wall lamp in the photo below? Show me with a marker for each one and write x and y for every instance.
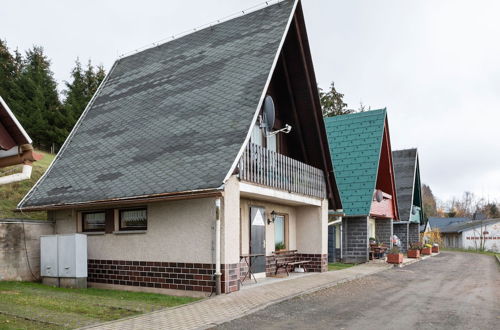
(273, 217)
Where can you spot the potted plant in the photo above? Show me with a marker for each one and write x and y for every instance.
(427, 249)
(280, 247)
(435, 248)
(414, 250)
(394, 256)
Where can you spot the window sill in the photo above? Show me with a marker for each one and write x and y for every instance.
(124, 232)
(88, 233)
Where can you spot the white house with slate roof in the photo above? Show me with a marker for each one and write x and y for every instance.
(196, 156)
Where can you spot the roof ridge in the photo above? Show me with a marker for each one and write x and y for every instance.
(180, 35)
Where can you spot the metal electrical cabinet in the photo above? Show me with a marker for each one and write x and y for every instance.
(63, 260)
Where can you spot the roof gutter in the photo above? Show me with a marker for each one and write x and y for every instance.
(24, 175)
(191, 194)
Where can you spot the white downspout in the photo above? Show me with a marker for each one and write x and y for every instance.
(24, 175)
(217, 248)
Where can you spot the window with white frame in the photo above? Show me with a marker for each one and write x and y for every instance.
(134, 219)
(279, 232)
(93, 221)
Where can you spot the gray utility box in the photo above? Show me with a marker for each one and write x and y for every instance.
(63, 260)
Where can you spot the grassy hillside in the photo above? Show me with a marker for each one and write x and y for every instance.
(11, 194)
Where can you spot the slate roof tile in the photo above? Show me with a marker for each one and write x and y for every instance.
(405, 163)
(171, 118)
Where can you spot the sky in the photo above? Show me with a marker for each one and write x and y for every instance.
(435, 64)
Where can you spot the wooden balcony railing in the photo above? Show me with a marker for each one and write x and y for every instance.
(265, 167)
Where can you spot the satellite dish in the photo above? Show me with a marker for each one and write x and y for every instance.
(269, 113)
(379, 195)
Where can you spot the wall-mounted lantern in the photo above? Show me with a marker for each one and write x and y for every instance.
(273, 217)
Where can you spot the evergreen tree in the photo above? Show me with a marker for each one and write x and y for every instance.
(332, 102)
(79, 91)
(37, 103)
(9, 71)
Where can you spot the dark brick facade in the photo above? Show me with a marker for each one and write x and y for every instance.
(413, 233)
(401, 231)
(183, 276)
(318, 262)
(163, 275)
(383, 230)
(230, 278)
(355, 239)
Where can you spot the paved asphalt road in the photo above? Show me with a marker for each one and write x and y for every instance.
(453, 290)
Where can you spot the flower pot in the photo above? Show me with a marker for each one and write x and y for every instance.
(395, 258)
(435, 249)
(426, 251)
(413, 253)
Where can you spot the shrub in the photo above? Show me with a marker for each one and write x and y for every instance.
(394, 250)
(415, 246)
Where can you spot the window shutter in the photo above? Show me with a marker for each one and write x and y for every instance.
(110, 221)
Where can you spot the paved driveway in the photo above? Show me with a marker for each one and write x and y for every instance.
(450, 291)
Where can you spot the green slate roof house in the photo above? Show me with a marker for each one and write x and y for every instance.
(409, 191)
(361, 154)
(196, 153)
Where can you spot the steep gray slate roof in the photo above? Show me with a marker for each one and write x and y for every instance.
(458, 227)
(441, 223)
(404, 163)
(171, 118)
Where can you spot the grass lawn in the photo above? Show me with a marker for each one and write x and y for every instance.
(338, 266)
(25, 305)
(11, 194)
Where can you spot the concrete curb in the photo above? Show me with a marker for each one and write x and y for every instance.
(498, 258)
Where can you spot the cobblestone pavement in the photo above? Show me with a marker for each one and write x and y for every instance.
(213, 311)
(452, 290)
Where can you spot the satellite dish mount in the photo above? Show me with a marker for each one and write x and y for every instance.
(269, 118)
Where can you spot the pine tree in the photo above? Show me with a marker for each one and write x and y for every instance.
(332, 102)
(79, 91)
(37, 104)
(9, 71)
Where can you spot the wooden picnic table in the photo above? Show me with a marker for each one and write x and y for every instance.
(376, 250)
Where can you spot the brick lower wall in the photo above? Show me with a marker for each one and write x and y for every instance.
(413, 233)
(318, 262)
(230, 278)
(355, 239)
(163, 275)
(401, 231)
(383, 230)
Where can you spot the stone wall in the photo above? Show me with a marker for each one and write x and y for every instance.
(413, 233)
(401, 231)
(14, 265)
(383, 230)
(355, 239)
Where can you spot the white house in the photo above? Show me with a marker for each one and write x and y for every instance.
(476, 234)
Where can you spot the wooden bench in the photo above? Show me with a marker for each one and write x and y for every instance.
(281, 262)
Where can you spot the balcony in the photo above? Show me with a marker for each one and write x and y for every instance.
(268, 168)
